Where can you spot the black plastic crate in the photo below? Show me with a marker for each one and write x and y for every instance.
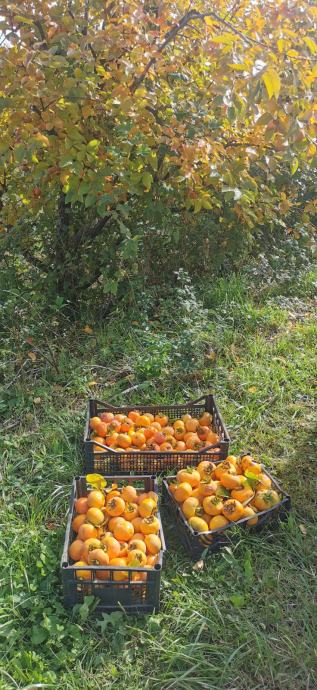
(152, 462)
(134, 597)
(198, 544)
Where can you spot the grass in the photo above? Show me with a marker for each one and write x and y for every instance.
(247, 621)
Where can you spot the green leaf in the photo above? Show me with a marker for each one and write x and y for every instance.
(264, 119)
(147, 179)
(130, 247)
(105, 199)
(253, 479)
(221, 491)
(111, 286)
(294, 166)
(272, 82)
(85, 609)
(90, 200)
(153, 161)
(237, 194)
(237, 600)
(197, 205)
(4, 102)
(231, 112)
(110, 620)
(93, 144)
(38, 635)
(20, 153)
(23, 20)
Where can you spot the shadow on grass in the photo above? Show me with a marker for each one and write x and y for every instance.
(298, 475)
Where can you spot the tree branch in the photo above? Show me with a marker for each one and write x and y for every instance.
(41, 31)
(61, 229)
(90, 281)
(172, 33)
(97, 228)
(86, 15)
(228, 25)
(69, 9)
(37, 263)
(63, 215)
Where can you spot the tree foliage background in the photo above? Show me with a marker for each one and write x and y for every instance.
(142, 133)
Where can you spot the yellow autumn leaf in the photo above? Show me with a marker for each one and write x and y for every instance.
(311, 150)
(101, 70)
(42, 138)
(252, 389)
(140, 93)
(209, 21)
(272, 82)
(86, 111)
(281, 45)
(88, 330)
(92, 383)
(197, 205)
(311, 44)
(32, 356)
(225, 38)
(206, 204)
(96, 480)
(238, 66)
(64, 177)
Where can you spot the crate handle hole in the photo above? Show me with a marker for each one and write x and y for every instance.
(157, 566)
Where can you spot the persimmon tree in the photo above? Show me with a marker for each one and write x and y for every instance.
(108, 105)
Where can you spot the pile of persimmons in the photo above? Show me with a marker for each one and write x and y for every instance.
(148, 432)
(117, 528)
(211, 496)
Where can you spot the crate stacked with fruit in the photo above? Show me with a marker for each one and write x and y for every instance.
(114, 543)
(209, 499)
(152, 439)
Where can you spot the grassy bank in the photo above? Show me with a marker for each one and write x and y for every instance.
(247, 621)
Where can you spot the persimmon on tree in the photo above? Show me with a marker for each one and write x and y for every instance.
(108, 103)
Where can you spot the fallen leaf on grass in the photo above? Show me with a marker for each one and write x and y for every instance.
(303, 530)
(212, 356)
(32, 356)
(37, 401)
(88, 330)
(252, 389)
(198, 566)
(92, 383)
